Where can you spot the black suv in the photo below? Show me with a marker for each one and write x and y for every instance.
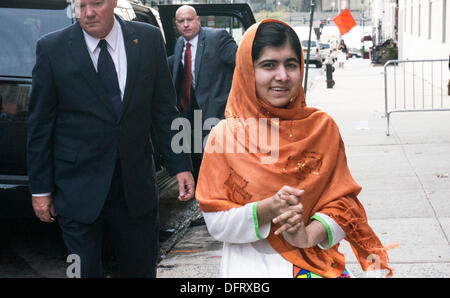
(22, 23)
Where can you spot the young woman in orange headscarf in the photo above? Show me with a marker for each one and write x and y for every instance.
(282, 206)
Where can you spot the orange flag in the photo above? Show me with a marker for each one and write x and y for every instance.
(344, 21)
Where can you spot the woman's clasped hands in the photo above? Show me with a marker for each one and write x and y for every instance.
(290, 216)
(284, 208)
(289, 209)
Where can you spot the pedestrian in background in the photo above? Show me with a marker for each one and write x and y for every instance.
(342, 54)
(99, 86)
(202, 68)
(283, 219)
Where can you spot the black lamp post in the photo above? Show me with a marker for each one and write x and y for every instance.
(313, 4)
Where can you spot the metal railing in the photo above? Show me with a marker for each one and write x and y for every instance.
(415, 86)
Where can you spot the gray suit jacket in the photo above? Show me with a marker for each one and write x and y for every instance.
(215, 60)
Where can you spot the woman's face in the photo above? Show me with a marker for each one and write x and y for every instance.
(277, 75)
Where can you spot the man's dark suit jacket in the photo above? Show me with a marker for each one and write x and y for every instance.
(215, 60)
(74, 135)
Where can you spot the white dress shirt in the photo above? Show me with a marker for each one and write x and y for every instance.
(194, 46)
(116, 48)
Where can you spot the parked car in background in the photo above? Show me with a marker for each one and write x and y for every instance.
(354, 53)
(315, 57)
(324, 49)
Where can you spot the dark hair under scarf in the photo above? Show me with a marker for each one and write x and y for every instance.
(275, 35)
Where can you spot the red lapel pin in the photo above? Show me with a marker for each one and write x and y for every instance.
(135, 41)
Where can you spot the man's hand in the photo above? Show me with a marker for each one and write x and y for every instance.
(43, 208)
(186, 186)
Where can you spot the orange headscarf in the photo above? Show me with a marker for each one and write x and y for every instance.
(310, 155)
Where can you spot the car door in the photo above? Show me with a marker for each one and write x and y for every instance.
(235, 18)
(22, 23)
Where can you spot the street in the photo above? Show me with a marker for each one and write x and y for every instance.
(313, 74)
(31, 249)
(28, 248)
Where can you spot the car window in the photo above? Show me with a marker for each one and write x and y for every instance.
(145, 18)
(149, 16)
(229, 23)
(232, 24)
(20, 28)
(324, 46)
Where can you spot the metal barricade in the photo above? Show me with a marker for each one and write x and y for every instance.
(415, 86)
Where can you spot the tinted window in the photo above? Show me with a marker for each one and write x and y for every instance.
(20, 29)
(229, 23)
(145, 17)
(232, 24)
(324, 46)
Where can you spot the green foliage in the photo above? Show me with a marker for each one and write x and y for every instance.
(386, 54)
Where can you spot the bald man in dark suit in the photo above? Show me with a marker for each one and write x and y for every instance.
(212, 60)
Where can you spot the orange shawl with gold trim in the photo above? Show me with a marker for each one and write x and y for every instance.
(304, 149)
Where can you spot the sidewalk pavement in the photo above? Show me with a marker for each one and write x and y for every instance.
(405, 180)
